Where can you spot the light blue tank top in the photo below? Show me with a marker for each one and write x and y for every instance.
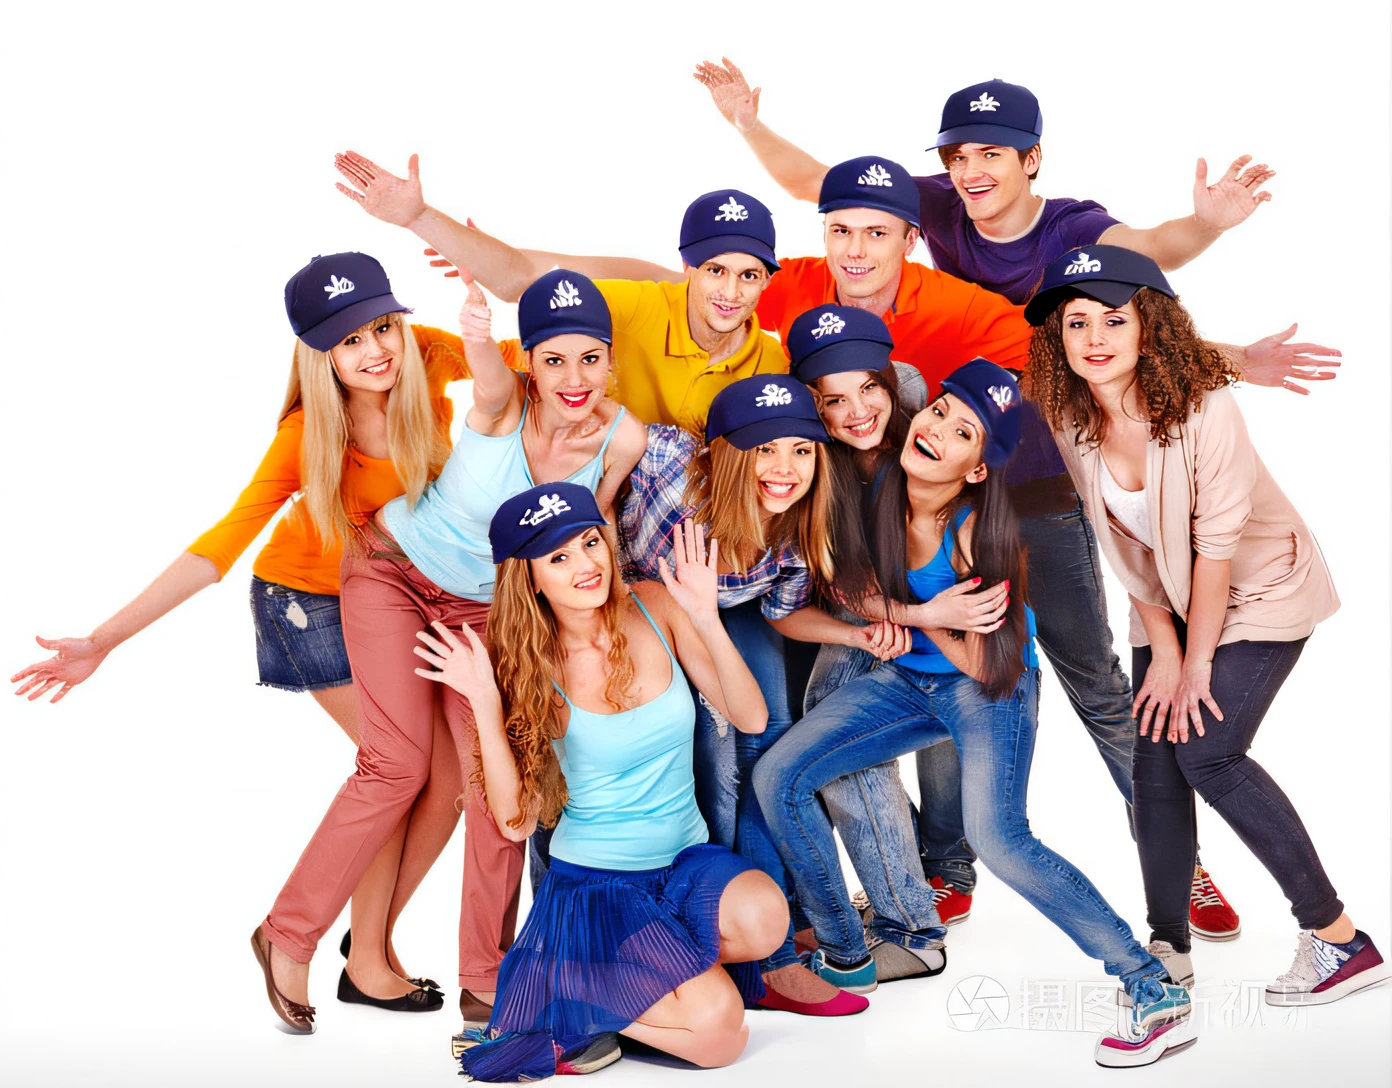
(446, 534)
(926, 582)
(632, 799)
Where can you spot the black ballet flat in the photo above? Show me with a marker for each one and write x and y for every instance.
(346, 945)
(418, 1000)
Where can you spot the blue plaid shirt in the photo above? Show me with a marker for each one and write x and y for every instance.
(653, 509)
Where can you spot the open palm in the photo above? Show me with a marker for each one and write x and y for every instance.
(694, 583)
(379, 192)
(1233, 197)
(730, 92)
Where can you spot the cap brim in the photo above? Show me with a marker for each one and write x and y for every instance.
(998, 135)
(774, 428)
(1112, 293)
(551, 538)
(991, 452)
(841, 357)
(335, 327)
(698, 253)
(529, 342)
(878, 205)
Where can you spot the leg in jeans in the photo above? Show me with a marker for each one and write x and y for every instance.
(878, 717)
(1070, 609)
(942, 841)
(1246, 677)
(995, 739)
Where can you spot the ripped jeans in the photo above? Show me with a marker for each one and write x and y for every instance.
(299, 638)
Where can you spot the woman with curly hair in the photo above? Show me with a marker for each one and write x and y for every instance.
(1226, 585)
(590, 721)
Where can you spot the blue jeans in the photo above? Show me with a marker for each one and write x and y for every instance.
(894, 710)
(724, 757)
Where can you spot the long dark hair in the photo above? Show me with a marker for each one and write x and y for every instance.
(996, 555)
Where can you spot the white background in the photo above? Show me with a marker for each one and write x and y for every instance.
(169, 167)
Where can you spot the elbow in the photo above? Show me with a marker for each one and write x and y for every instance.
(756, 722)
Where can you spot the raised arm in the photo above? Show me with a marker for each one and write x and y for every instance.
(496, 388)
(699, 640)
(503, 269)
(795, 171)
(1217, 208)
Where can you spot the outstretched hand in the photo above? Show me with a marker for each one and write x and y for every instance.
(695, 584)
(1273, 362)
(475, 318)
(1233, 197)
(74, 660)
(379, 192)
(464, 666)
(730, 92)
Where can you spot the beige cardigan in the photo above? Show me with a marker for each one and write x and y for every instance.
(1209, 493)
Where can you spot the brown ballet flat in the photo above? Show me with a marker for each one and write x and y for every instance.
(476, 1016)
(298, 1019)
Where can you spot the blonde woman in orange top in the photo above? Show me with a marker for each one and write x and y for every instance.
(365, 419)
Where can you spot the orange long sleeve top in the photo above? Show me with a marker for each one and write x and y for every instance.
(295, 555)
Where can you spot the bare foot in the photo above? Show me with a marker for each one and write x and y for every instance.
(800, 984)
(377, 980)
(291, 978)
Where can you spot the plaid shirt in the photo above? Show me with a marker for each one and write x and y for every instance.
(653, 509)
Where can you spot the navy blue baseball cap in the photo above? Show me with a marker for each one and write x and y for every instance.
(995, 112)
(1109, 274)
(331, 296)
(831, 339)
(993, 394)
(541, 519)
(561, 302)
(727, 221)
(763, 408)
(870, 182)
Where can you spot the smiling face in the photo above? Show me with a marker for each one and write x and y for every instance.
(576, 575)
(855, 407)
(784, 470)
(724, 291)
(571, 373)
(865, 249)
(1103, 343)
(990, 179)
(945, 444)
(368, 359)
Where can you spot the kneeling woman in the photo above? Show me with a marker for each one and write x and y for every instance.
(1226, 584)
(594, 723)
(943, 514)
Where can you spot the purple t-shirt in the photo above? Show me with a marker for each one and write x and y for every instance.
(1012, 269)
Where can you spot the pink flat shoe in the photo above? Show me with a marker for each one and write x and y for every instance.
(843, 1004)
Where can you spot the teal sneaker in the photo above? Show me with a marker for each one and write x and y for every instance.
(1157, 1024)
(857, 979)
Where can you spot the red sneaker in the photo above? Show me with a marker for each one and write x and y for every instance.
(1210, 915)
(953, 906)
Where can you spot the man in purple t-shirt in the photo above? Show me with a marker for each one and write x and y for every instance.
(982, 223)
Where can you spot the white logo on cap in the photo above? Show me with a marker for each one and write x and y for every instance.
(1082, 263)
(548, 506)
(774, 395)
(1002, 395)
(338, 286)
(876, 175)
(731, 211)
(567, 294)
(986, 104)
(828, 323)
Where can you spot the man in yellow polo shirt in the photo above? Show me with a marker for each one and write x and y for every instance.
(676, 344)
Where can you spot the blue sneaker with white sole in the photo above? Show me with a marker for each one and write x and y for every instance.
(858, 978)
(1157, 1024)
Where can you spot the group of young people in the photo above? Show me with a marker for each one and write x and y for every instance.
(588, 626)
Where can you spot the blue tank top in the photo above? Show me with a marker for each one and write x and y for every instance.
(446, 534)
(926, 582)
(632, 799)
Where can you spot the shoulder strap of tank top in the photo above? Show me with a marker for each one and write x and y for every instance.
(612, 428)
(647, 616)
(561, 692)
(957, 519)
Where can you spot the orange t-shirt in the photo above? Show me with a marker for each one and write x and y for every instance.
(938, 322)
(295, 555)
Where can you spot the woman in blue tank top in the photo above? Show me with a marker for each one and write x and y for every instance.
(942, 513)
(590, 720)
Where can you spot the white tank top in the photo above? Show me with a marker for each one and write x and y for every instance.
(1128, 507)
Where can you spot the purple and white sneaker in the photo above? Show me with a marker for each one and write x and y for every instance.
(1324, 971)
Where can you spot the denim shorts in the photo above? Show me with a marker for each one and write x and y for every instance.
(299, 638)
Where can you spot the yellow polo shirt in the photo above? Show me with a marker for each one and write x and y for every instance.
(663, 375)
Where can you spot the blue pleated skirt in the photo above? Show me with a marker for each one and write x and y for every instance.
(599, 948)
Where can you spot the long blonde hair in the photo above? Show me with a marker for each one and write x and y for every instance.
(722, 484)
(527, 658)
(416, 439)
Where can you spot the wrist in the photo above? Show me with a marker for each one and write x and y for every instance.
(104, 640)
(421, 224)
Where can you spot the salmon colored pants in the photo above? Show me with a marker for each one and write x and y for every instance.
(385, 601)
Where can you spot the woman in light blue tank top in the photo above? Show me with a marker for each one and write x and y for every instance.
(590, 720)
(942, 513)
